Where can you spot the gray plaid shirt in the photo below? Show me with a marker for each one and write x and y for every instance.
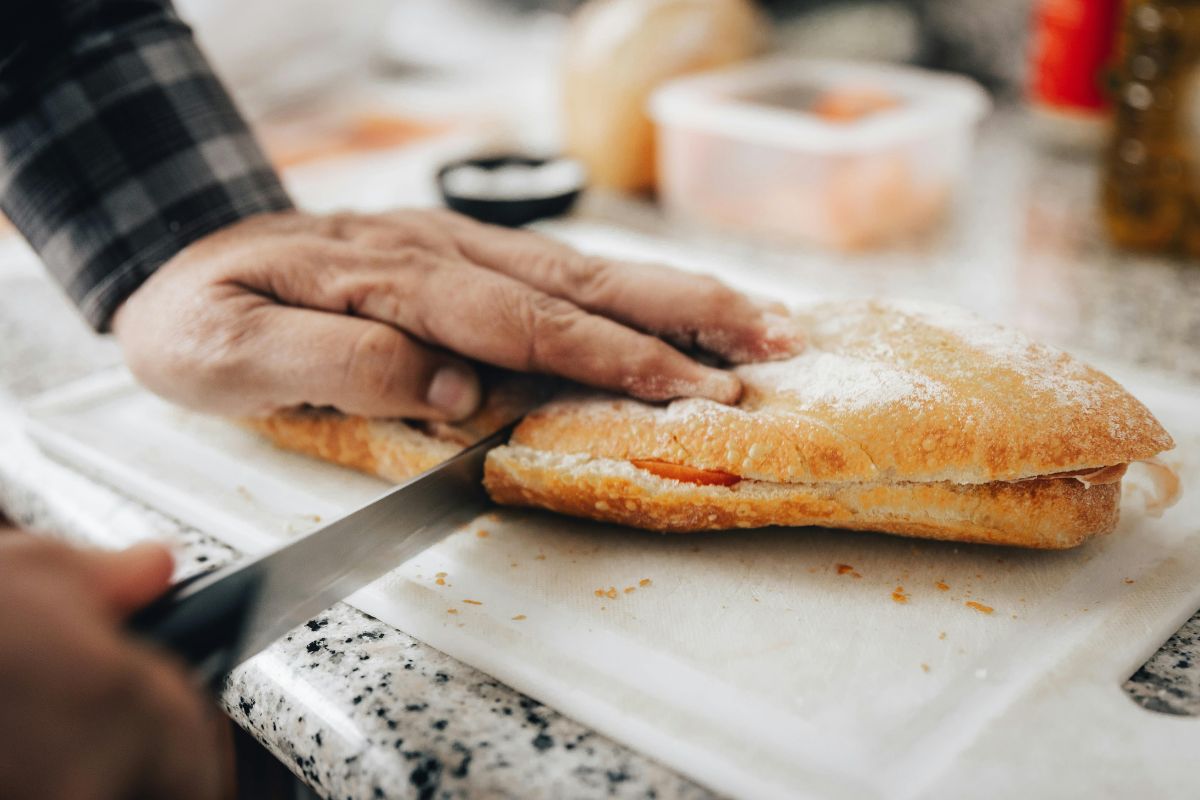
(118, 145)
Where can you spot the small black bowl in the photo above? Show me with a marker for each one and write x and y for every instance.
(511, 212)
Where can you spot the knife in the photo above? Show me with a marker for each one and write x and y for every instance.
(218, 619)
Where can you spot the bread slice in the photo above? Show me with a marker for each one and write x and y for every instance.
(1050, 513)
(396, 449)
(907, 418)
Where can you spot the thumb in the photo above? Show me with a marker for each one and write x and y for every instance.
(360, 367)
(129, 579)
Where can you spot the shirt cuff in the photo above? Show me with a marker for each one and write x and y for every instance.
(130, 153)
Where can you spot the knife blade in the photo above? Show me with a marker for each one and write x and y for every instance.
(218, 619)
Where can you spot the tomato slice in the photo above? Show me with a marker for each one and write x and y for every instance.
(678, 472)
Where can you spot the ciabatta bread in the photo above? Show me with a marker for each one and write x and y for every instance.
(907, 418)
(1048, 513)
(396, 449)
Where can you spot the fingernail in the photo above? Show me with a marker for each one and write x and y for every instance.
(724, 387)
(454, 391)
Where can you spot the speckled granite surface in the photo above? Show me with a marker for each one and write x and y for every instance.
(360, 710)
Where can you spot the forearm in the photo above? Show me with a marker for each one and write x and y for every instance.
(118, 145)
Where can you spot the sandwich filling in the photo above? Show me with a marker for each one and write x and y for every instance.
(716, 477)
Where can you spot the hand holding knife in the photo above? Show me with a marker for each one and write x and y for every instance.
(217, 620)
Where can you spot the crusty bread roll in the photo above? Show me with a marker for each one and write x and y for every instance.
(900, 417)
(396, 449)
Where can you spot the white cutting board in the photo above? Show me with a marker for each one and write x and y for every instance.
(747, 661)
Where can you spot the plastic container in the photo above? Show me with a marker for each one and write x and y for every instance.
(839, 154)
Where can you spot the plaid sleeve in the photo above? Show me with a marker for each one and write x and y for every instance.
(118, 145)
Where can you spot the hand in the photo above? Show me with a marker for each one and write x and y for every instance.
(364, 312)
(87, 711)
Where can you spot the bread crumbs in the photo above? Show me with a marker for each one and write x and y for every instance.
(451, 610)
(519, 617)
(644, 582)
(473, 602)
(980, 607)
(942, 586)
(482, 533)
(925, 668)
(630, 589)
(899, 596)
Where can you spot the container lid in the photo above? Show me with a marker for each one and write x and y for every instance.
(730, 102)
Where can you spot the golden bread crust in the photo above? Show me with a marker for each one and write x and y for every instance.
(397, 449)
(1040, 513)
(886, 391)
(392, 450)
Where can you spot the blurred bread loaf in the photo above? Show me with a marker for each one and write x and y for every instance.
(618, 52)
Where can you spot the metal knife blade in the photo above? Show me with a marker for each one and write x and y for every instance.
(219, 619)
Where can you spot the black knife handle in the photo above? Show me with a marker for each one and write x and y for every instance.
(201, 620)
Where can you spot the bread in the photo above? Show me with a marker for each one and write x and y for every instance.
(900, 417)
(906, 418)
(1043, 513)
(617, 52)
(396, 449)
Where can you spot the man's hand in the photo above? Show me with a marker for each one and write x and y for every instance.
(87, 711)
(370, 313)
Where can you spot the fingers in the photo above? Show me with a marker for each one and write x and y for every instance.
(120, 581)
(691, 310)
(129, 579)
(358, 366)
(497, 319)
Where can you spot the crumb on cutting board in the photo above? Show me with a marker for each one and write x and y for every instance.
(980, 607)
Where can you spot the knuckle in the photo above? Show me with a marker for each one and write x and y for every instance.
(375, 365)
(410, 258)
(590, 277)
(549, 324)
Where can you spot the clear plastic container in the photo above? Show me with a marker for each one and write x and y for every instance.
(839, 154)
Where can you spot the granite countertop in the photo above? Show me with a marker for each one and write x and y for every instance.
(361, 710)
